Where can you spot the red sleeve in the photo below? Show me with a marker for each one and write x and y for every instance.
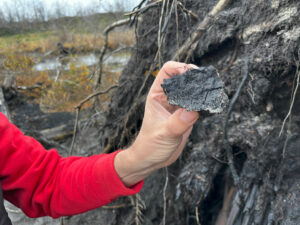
(43, 183)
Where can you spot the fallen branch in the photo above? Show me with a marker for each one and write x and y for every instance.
(57, 133)
(44, 140)
(39, 86)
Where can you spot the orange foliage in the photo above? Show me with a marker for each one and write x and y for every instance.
(18, 62)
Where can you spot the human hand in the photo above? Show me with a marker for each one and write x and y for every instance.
(163, 134)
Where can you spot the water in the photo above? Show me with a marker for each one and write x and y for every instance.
(49, 64)
(118, 61)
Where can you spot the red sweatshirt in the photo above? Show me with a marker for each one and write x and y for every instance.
(42, 183)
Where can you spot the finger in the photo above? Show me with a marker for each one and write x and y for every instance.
(180, 121)
(193, 66)
(168, 70)
(161, 99)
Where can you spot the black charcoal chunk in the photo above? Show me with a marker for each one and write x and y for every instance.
(197, 90)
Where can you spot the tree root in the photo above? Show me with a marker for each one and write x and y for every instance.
(78, 108)
(190, 44)
(104, 48)
(225, 142)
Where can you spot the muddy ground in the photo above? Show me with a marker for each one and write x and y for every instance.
(200, 187)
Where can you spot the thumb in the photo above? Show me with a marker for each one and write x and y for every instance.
(180, 121)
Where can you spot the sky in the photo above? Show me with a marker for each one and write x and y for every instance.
(70, 7)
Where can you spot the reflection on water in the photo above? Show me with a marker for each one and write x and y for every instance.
(49, 64)
(89, 60)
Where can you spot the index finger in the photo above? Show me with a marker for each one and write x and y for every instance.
(168, 70)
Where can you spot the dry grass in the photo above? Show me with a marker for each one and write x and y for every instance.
(20, 53)
(63, 95)
(72, 86)
(41, 42)
(29, 80)
(18, 62)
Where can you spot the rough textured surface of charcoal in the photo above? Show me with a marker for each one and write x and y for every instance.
(197, 90)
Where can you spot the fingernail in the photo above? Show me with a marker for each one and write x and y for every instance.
(188, 117)
(194, 66)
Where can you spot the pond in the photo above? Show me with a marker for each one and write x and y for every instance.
(117, 61)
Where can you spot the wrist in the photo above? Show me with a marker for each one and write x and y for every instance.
(130, 168)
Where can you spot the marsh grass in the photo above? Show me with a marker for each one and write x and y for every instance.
(72, 86)
(46, 41)
(20, 52)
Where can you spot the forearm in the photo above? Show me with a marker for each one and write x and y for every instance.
(43, 183)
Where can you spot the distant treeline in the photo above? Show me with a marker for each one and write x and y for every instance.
(75, 23)
(25, 16)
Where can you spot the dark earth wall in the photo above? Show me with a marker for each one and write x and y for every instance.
(267, 33)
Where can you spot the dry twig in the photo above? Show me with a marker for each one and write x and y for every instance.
(162, 30)
(177, 24)
(297, 75)
(144, 9)
(159, 37)
(30, 88)
(97, 94)
(116, 206)
(165, 196)
(191, 43)
(188, 12)
(197, 215)
(74, 132)
(293, 96)
(123, 48)
(139, 207)
(78, 107)
(104, 48)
